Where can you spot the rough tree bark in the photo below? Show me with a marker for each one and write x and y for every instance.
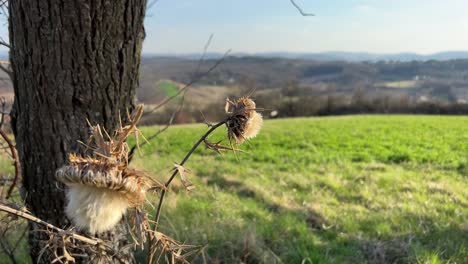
(72, 60)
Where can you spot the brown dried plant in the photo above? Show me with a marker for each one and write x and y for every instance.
(218, 147)
(106, 171)
(104, 180)
(244, 121)
(9, 148)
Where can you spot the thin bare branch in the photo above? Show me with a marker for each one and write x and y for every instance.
(6, 70)
(8, 251)
(161, 130)
(300, 9)
(202, 58)
(163, 192)
(187, 156)
(4, 8)
(2, 111)
(195, 80)
(184, 92)
(23, 234)
(5, 179)
(16, 162)
(3, 43)
(216, 146)
(31, 218)
(151, 4)
(88, 240)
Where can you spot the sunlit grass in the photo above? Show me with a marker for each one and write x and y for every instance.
(357, 189)
(346, 189)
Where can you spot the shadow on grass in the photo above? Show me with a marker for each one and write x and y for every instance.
(297, 235)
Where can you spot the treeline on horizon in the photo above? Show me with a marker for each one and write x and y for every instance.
(301, 88)
(290, 105)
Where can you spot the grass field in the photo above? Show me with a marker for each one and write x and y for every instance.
(357, 189)
(168, 88)
(375, 189)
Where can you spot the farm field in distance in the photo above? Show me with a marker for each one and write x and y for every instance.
(351, 189)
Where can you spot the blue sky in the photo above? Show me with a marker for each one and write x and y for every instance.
(380, 26)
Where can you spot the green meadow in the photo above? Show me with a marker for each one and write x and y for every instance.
(353, 189)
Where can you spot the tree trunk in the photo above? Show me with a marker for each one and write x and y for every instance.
(71, 60)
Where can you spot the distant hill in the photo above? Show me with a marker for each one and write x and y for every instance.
(332, 56)
(437, 80)
(400, 77)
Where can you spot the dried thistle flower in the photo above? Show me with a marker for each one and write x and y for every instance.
(218, 147)
(102, 187)
(183, 172)
(244, 121)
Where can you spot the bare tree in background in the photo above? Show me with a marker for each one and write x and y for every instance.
(71, 61)
(300, 10)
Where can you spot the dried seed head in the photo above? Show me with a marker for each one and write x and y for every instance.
(100, 192)
(131, 184)
(244, 122)
(101, 188)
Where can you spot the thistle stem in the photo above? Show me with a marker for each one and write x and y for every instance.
(163, 192)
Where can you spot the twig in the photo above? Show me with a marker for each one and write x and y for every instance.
(169, 123)
(2, 111)
(7, 71)
(163, 192)
(8, 251)
(16, 162)
(92, 241)
(88, 240)
(300, 9)
(4, 8)
(4, 179)
(187, 156)
(183, 91)
(3, 43)
(216, 146)
(25, 231)
(202, 58)
(151, 4)
(205, 121)
(195, 80)
(4, 241)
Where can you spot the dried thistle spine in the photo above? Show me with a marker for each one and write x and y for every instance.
(244, 121)
(101, 188)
